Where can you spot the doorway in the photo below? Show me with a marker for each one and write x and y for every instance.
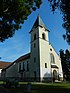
(55, 75)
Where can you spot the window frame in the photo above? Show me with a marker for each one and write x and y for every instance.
(52, 58)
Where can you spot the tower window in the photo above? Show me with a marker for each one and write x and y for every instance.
(43, 36)
(34, 36)
(45, 65)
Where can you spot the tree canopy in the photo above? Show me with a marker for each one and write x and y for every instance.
(65, 61)
(64, 7)
(14, 12)
(12, 15)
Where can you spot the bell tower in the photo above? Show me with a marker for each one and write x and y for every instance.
(39, 50)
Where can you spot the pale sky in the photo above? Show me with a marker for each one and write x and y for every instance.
(19, 44)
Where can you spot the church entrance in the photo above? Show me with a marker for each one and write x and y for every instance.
(55, 75)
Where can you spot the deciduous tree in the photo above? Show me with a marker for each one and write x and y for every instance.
(12, 15)
(65, 61)
(64, 7)
(14, 12)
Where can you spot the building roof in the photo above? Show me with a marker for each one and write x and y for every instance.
(24, 57)
(4, 64)
(38, 22)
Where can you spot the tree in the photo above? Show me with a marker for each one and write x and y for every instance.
(65, 61)
(64, 7)
(67, 55)
(14, 12)
(12, 15)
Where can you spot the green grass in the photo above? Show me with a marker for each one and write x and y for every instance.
(42, 88)
(21, 83)
(50, 88)
(1, 82)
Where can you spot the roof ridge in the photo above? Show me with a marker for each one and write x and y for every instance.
(38, 22)
(22, 57)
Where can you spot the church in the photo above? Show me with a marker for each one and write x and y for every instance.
(42, 63)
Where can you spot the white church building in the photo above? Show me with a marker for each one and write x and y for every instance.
(42, 63)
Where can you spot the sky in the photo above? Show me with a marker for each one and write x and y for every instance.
(19, 44)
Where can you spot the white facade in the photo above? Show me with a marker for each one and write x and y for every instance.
(43, 63)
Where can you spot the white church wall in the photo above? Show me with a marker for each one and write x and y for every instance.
(44, 54)
(57, 62)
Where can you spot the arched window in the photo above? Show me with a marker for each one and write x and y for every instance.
(43, 36)
(52, 58)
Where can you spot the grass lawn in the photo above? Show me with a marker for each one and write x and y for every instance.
(1, 82)
(51, 88)
(42, 88)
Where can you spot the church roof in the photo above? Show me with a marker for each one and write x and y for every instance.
(24, 57)
(4, 64)
(39, 22)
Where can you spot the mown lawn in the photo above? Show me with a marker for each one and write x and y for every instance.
(41, 88)
(51, 88)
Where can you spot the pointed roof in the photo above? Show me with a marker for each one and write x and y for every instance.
(39, 22)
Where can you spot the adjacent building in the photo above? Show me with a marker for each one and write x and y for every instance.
(42, 63)
(3, 65)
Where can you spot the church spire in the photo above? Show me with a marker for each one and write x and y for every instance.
(38, 22)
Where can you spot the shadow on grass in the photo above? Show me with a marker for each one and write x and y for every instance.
(38, 88)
